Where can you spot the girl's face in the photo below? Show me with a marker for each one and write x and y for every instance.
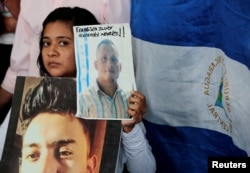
(58, 49)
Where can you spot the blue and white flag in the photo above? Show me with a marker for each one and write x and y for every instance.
(192, 61)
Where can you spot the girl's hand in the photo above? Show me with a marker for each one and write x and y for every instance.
(137, 108)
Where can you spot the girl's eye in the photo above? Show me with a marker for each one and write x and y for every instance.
(46, 43)
(63, 43)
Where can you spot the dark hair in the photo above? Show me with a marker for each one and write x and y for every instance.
(53, 95)
(74, 17)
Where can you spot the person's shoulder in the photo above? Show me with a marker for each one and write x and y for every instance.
(122, 93)
(89, 92)
(91, 89)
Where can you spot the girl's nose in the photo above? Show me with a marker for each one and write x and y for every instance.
(52, 51)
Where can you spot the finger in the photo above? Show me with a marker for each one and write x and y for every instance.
(134, 106)
(135, 100)
(137, 117)
(138, 94)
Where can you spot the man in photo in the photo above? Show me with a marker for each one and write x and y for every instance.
(105, 99)
(55, 140)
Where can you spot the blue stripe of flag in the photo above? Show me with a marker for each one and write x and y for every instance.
(212, 23)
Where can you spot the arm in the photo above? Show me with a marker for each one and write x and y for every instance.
(13, 6)
(136, 150)
(139, 158)
(9, 19)
(5, 104)
(19, 61)
(6, 98)
(9, 24)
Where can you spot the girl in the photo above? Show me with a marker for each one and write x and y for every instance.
(57, 59)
